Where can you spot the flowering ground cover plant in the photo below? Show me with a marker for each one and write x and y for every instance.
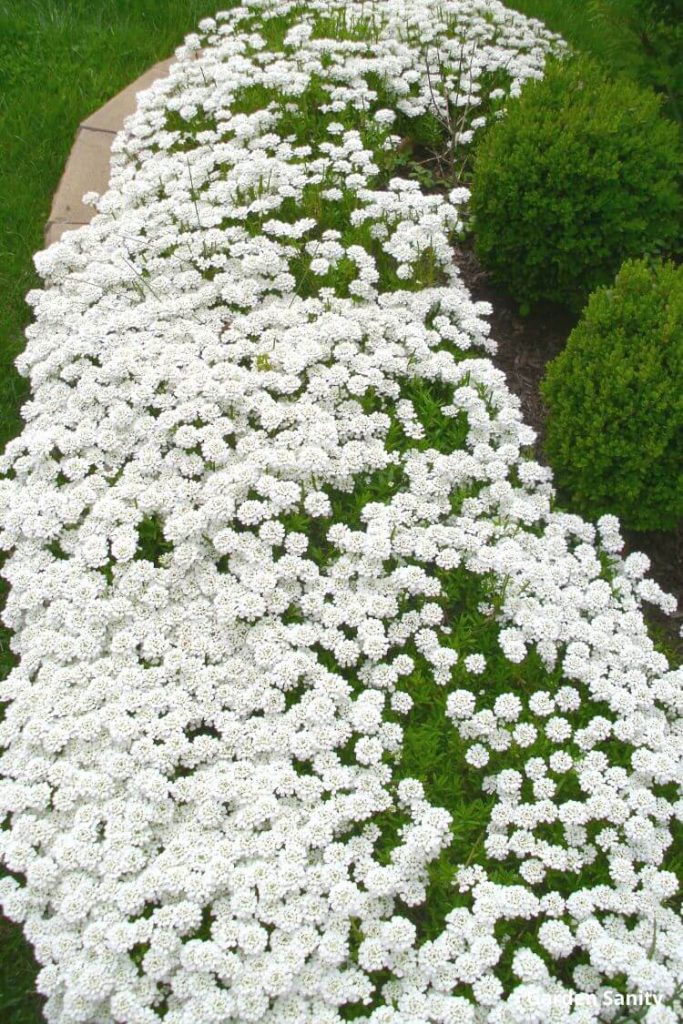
(322, 711)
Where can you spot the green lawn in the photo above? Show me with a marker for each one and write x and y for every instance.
(59, 61)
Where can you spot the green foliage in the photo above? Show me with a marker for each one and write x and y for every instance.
(655, 31)
(615, 398)
(581, 174)
(642, 39)
(152, 545)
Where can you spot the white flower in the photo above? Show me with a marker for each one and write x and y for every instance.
(477, 756)
(461, 704)
(475, 663)
(557, 938)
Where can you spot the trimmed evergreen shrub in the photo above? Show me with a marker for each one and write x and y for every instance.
(615, 399)
(581, 174)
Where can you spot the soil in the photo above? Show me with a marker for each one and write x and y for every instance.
(525, 345)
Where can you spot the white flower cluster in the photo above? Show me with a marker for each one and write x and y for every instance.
(215, 666)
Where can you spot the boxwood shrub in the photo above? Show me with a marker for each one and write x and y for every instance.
(581, 174)
(615, 400)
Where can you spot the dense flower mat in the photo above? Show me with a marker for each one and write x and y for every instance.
(321, 711)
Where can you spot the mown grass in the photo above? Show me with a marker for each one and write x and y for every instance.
(59, 61)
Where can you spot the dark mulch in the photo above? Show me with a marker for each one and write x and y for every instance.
(525, 345)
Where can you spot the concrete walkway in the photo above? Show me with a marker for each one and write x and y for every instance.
(87, 169)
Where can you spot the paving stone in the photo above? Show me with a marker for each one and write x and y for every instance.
(88, 167)
(87, 170)
(111, 116)
(56, 228)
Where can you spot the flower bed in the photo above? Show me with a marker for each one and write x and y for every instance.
(322, 712)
